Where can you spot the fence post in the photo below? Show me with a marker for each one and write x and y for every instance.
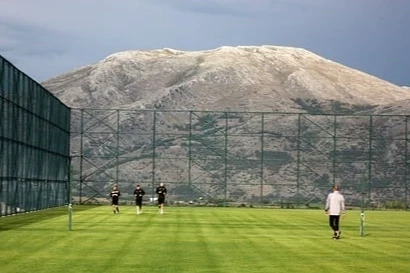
(190, 149)
(362, 215)
(262, 155)
(154, 126)
(370, 156)
(298, 161)
(226, 159)
(334, 148)
(69, 201)
(81, 155)
(406, 164)
(117, 149)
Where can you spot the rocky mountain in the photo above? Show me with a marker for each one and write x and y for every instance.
(266, 78)
(194, 146)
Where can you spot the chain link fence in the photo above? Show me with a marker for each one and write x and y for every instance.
(240, 158)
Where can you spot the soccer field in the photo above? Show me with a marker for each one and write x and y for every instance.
(193, 239)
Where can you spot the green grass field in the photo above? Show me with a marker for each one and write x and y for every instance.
(193, 239)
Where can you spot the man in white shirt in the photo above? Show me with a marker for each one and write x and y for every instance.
(335, 206)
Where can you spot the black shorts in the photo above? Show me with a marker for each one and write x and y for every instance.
(138, 202)
(114, 202)
(161, 199)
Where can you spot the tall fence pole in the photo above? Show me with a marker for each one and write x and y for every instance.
(226, 159)
(117, 149)
(362, 214)
(298, 161)
(154, 126)
(262, 156)
(406, 164)
(334, 148)
(370, 157)
(81, 155)
(69, 201)
(190, 149)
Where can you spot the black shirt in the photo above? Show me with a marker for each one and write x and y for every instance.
(115, 194)
(161, 191)
(138, 193)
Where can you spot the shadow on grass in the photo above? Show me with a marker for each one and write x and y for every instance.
(23, 219)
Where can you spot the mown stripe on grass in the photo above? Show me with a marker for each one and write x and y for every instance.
(206, 240)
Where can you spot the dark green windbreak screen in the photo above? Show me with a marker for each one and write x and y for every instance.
(34, 144)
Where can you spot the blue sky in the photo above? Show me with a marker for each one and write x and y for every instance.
(46, 38)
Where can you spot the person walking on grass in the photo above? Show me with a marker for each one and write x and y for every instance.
(161, 191)
(138, 193)
(335, 207)
(115, 196)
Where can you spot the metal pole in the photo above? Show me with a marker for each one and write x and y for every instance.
(262, 154)
(370, 156)
(117, 152)
(153, 151)
(69, 173)
(298, 162)
(334, 148)
(81, 154)
(406, 164)
(369, 178)
(2, 133)
(226, 158)
(70, 207)
(190, 149)
(362, 214)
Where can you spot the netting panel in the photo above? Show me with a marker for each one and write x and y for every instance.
(34, 144)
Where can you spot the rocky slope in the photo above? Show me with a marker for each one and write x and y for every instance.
(262, 78)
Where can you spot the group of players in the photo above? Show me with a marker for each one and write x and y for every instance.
(335, 204)
(161, 191)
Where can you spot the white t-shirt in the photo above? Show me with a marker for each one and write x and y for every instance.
(335, 203)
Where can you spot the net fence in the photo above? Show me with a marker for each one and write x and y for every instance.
(34, 144)
(240, 158)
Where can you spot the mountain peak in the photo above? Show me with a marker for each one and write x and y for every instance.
(250, 78)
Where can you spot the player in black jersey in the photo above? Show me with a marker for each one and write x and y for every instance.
(161, 191)
(115, 196)
(138, 193)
